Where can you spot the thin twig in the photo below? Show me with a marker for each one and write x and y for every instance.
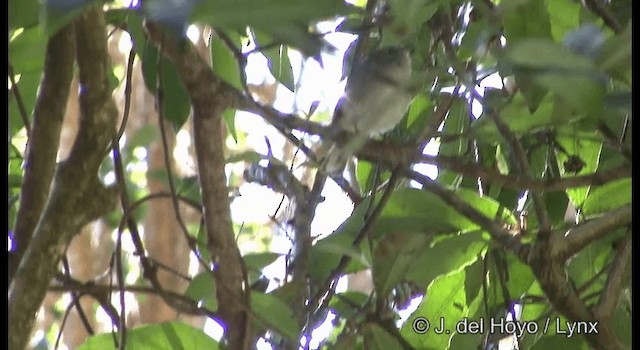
(611, 293)
(75, 299)
(495, 229)
(324, 294)
(602, 11)
(522, 167)
(516, 182)
(120, 279)
(19, 101)
(74, 303)
(437, 118)
(100, 292)
(239, 56)
(127, 94)
(165, 147)
(67, 311)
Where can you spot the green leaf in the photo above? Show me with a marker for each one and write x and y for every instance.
(292, 17)
(377, 338)
(393, 256)
(561, 341)
(520, 277)
(533, 311)
(474, 42)
(407, 16)
(446, 256)
(143, 136)
(264, 13)
(621, 321)
(580, 91)
(246, 156)
(23, 13)
(162, 336)
(420, 111)
(564, 16)
(203, 247)
(280, 66)
(202, 288)
(457, 122)
(326, 254)
(277, 60)
(413, 211)
(15, 181)
(225, 65)
(534, 94)
(27, 51)
(556, 205)
(445, 305)
(545, 54)
(273, 313)
(526, 19)
(176, 105)
(586, 265)
(365, 172)
(189, 187)
(613, 195)
(131, 20)
(584, 146)
(257, 261)
(473, 282)
(518, 117)
(474, 278)
(348, 304)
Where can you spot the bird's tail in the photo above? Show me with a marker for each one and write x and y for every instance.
(336, 160)
(339, 154)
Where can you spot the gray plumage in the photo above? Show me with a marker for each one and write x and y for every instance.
(375, 100)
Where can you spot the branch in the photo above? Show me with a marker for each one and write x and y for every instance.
(547, 260)
(602, 11)
(77, 196)
(210, 97)
(44, 138)
(279, 178)
(303, 216)
(522, 167)
(611, 294)
(516, 182)
(437, 118)
(567, 243)
(322, 297)
(551, 273)
(101, 293)
(495, 229)
(16, 93)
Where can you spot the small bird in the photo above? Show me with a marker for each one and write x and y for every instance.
(376, 98)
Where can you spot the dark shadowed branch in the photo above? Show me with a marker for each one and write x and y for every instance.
(210, 97)
(44, 138)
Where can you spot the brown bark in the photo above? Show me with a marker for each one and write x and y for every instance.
(77, 196)
(209, 100)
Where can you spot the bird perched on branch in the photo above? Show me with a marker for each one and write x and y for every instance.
(376, 98)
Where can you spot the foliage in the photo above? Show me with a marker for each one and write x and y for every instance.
(528, 102)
